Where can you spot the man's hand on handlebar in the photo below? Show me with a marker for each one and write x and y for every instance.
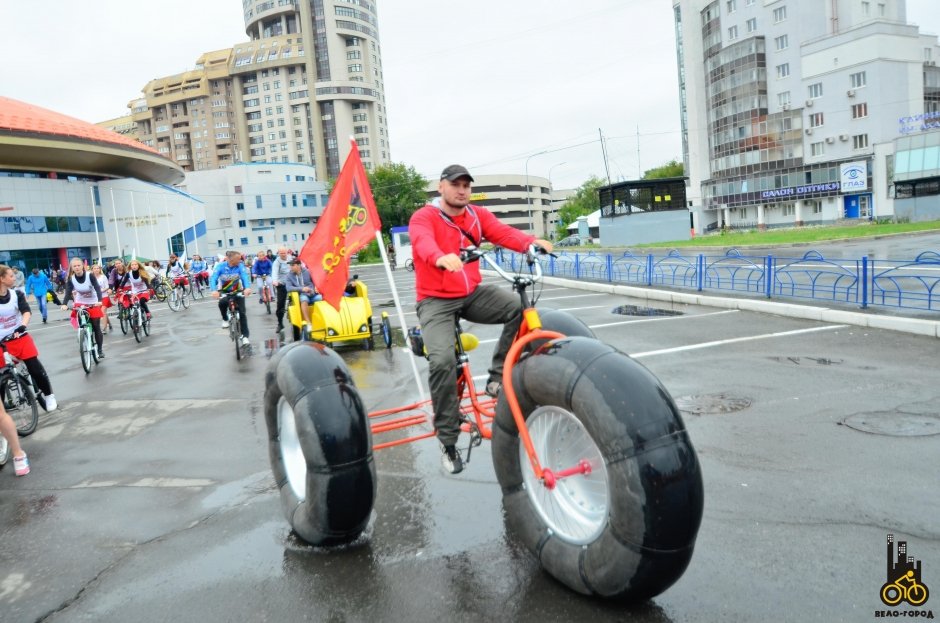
(544, 245)
(450, 262)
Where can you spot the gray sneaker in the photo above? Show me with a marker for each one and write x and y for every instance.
(450, 460)
(492, 388)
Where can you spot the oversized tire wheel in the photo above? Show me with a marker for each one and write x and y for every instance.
(562, 322)
(320, 444)
(626, 529)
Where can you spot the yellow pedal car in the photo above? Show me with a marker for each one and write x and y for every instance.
(353, 322)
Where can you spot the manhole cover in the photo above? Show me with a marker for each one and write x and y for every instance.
(712, 404)
(636, 310)
(895, 424)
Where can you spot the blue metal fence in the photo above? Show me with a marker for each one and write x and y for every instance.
(912, 284)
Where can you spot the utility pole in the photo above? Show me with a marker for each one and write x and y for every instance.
(639, 171)
(610, 184)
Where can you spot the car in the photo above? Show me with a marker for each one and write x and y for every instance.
(573, 241)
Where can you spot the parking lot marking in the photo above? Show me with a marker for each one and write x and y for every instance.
(659, 318)
(679, 349)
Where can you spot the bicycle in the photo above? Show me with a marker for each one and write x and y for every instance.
(235, 324)
(600, 480)
(196, 289)
(177, 297)
(87, 345)
(133, 315)
(16, 388)
(265, 292)
(892, 593)
(161, 289)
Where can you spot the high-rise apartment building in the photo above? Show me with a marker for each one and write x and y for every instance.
(792, 110)
(309, 77)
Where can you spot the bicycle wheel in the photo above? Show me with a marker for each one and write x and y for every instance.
(319, 443)
(236, 334)
(409, 264)
(159, 292)
(198, 292)
(122, 318)
(20, 403)
(144, 322)
(4, 450)
(84, 349)
(184, 298)
(173, 300)
(625, 527)
(135, 323)
(386, 330)
(267, 299)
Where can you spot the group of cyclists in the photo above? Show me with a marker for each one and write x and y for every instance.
(121, 284)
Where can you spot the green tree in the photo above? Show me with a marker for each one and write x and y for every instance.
(582, 203)
(673, 168)
(398, 190)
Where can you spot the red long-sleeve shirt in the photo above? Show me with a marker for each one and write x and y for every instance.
(434, 236)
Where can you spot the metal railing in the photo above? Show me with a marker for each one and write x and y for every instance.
(910, 284)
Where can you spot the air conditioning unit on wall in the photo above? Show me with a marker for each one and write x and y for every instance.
(809, 103)
(850, 93)
(830, 140)
(785, 107)
(809, 131)
(843, 137)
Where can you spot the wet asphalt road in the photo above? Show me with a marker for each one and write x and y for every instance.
(151, 497)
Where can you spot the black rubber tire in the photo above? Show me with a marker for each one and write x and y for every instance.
(334, 437)
(184, 297)
(562, 322)
(20, 403)
(295, 333)
(654, 492)
(386, 332)
(135, 323)
(159, 292)
(145, 322)
(122, 318)
(85, 350)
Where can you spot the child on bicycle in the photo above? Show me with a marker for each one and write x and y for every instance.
(83, 290)
(14, 319)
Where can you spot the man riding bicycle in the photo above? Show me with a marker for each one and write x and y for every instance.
(231, 277)
(261, 271)
(446, 288)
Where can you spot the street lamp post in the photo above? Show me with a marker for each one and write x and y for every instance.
(551, 189)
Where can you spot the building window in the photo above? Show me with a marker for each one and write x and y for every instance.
(817, 207)
(355, 68)
(231, 242)
(239, 206)
(260, 239)
(783, 98)
(283, 201)
(789, 210)
(859, 110)
(752, 24)
(816, 120)
(782, 42)
(238, 190)
(817, 149)
(815, 90)
(783, 70)
(244, 241)
(860, 141)
(242, 224)
(780, 14)
(732, 6)
(858, 80)
(732, 33)
(866, 8)
(881, 9)
(258, 201)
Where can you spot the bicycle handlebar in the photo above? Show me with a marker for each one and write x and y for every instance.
(531, 258)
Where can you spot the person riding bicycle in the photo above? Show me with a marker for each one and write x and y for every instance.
(279, 271)
(176, 271)
(300, 281)
(230, 277)
(38, 285)
(135, 280)
(261, 271)
(82, 289)
(105, 288)
(14, 320)
(447, 288)
(199, 269)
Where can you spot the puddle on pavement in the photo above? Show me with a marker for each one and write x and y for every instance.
(894, 424)
(822, 361)
(712, 404)
(638, 310)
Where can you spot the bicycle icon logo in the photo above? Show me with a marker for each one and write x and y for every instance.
(907, 586)
(356, 216)
(914, 593)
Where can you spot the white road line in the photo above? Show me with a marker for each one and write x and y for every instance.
(690, 317)
(570, 309)
(679, 349)
(573, 296)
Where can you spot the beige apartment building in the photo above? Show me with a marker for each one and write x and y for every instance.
(309, 77)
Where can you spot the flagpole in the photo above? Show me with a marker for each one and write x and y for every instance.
(401, 313)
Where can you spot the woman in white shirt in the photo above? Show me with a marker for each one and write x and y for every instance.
(82, 288)
(105, 288)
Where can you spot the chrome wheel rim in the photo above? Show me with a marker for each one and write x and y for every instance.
(295, 465)
(576, 509)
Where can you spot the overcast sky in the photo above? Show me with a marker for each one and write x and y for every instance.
(485, 83)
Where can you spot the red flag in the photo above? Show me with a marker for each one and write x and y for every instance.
(348, 223)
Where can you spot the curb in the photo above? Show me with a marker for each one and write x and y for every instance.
(914, 326)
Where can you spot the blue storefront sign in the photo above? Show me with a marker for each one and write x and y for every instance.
(919, 123)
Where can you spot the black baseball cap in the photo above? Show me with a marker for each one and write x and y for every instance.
(454, 172)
